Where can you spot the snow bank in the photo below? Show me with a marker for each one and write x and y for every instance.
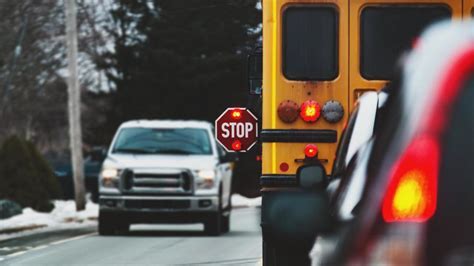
(64, 215)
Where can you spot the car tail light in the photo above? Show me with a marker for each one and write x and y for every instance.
(310, 111)
(412, 191)
(311, 151)
(411, 194)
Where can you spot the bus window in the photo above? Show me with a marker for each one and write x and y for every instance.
(388, 30)
(310, 45)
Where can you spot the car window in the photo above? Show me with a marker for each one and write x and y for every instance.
(181, 141)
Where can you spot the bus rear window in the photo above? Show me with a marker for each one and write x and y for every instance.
(388, 30)
(310, 45)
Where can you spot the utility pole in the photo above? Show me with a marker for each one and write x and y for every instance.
(74, 106)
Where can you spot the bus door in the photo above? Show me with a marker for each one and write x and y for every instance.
(381, 30)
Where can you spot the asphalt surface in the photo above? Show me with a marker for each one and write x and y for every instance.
(145, 245)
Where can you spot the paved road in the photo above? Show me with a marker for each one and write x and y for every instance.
(155, 245)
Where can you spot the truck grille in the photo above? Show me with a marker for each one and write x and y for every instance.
(158, 204)
(172, 182)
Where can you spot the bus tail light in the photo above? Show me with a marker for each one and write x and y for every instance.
(412, 192)
(310, 111)
(311, 151)
(333, 111)
(288, 111)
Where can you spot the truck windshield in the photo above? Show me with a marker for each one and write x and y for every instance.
(179, 141)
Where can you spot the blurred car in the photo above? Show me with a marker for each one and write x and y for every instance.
(420, 208)
(165, 172)
(61, 164)
(414, 206)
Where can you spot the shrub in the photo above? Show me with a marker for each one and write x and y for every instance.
(20, 179)
(9, 208)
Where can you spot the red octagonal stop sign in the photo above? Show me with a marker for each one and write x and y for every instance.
(237, 129)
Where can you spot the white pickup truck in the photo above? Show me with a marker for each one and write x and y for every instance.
(165, 172)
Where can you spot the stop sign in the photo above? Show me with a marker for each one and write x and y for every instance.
(236, 129)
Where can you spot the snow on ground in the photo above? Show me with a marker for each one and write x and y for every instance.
(64, 216)
(240, 201)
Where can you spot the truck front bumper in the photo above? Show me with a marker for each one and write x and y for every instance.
(159, 209)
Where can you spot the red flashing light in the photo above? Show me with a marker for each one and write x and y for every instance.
(236, 145)
(236, 114)
(311, 150)
(310, 111)
(412, 193)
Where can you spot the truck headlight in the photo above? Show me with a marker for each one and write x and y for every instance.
(205, 179)
(110, 177)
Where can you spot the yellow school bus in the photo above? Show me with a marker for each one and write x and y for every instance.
(319, 56)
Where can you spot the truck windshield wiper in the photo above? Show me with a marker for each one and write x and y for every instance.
(133, 150)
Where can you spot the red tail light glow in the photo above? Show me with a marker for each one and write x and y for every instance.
(311, 150)
(310, 111)
(411, 195)
(412, 192)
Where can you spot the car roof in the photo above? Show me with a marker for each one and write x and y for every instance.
(167, 124)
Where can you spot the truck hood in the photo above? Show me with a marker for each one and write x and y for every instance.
(193, 162)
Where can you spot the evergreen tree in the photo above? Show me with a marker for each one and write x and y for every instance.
(180, 59)
(20, 180)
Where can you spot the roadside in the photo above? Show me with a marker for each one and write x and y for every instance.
(64, 222)
(41, 238)
(63, 216)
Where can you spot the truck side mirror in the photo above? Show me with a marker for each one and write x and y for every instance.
(254, 68)
(231, 157)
